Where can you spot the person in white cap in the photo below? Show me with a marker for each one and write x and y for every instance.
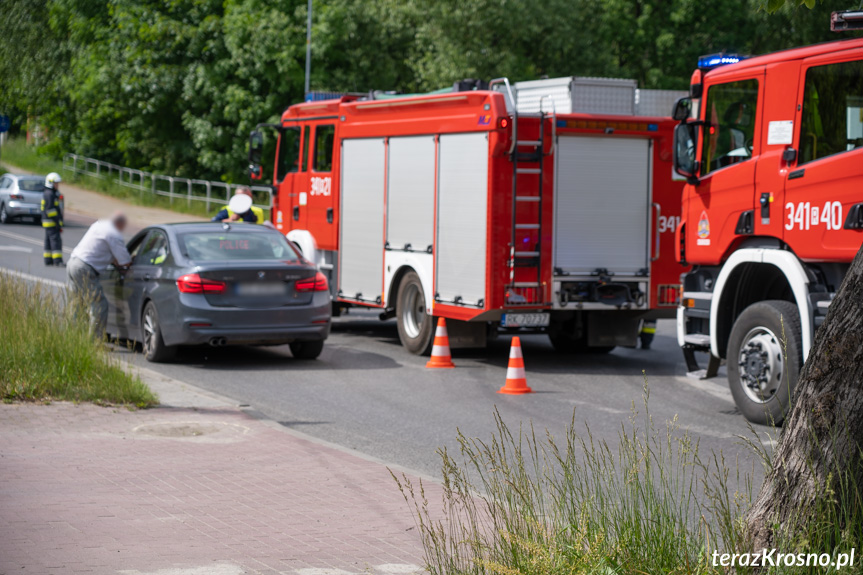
(52, 221)
(240, 209)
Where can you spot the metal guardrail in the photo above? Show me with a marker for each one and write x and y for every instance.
(169, 186)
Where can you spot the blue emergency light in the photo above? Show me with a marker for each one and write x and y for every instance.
(716, 60)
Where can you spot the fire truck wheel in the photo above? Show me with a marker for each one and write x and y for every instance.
(762, 367)
(416, 328)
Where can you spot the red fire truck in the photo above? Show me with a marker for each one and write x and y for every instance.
(772, 211)
(456, 205)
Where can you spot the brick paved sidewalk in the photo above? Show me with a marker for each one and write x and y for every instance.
(190, 491)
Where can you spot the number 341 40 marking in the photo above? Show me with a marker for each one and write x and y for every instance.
(805, 216)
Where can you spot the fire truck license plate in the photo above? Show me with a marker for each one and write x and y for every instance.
(524, 320)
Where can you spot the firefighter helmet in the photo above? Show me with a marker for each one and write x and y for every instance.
(51, 179)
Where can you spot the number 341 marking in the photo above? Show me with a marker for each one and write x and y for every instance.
(805, 216)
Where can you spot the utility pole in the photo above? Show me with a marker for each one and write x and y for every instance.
(308, 49)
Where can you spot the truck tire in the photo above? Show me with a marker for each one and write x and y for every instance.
(307, 349)
(762, 368)
(416, 328)
(153, 346)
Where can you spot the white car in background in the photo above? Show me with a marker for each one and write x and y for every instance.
(21, 197)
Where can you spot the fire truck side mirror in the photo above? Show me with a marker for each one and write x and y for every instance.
(256, 148)
(682, 109)
(685, 162)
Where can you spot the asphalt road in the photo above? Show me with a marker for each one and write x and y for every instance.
(365, 392)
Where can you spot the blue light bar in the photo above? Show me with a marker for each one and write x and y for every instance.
(322, 96)
(716, 60)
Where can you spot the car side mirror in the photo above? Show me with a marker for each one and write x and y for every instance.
(685, 145)
(682, 109)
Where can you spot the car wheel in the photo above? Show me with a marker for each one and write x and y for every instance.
(762, 368)
(4, 215)
(154, 347)
(307, 349)
(416, 327)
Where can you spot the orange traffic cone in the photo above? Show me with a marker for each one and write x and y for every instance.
(516, 383)
(440, 355)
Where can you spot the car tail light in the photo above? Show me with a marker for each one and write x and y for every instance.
(193, 283)
(16, 196)
(317, 283)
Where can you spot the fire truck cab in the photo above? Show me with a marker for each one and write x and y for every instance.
(555, 218)
(772, 147)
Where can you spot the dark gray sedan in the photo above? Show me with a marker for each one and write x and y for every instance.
(217, 284)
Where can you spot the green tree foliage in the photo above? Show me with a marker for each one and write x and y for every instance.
(176, 85)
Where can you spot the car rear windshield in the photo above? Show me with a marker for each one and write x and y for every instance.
(235, 245)
(30, 185)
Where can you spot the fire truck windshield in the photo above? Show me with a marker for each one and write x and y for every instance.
(289, 152)
(730, 124)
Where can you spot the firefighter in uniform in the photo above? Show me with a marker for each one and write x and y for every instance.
(648, 331)
(52, 221)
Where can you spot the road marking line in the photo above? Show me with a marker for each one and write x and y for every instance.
(15, 249)
(32, 278)
(28, 240)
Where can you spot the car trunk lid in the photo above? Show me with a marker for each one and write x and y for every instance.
(256, 285)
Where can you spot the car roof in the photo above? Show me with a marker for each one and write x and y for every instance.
(25, 176)
(185, 227)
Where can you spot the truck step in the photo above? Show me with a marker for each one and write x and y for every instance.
(697, 339)
(527, 198)
(527, 226)
(528, 171)
(529, 143)
(526, 285)
(526, 254)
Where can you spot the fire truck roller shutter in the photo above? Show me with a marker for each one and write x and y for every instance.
(462, 216)
(410, 193)
(602, 204)
(362, 219)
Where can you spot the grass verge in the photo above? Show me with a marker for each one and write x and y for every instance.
(523, 504)
(46, 352)
(17, 153)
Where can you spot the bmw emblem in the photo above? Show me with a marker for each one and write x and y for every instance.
(261, 275)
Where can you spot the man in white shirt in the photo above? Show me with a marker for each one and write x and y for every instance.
(103, 244)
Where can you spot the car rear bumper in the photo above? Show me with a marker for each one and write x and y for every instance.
(195, 322)
(254, 335)
(16, 208)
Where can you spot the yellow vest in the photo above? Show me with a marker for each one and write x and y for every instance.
(259, 214)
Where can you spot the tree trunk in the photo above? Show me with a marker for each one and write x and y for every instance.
(824, 430)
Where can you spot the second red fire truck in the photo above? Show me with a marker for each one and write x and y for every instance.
(458, 205)
(772, 213)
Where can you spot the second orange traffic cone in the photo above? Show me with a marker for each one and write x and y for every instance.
(516, 383)
(440, 355)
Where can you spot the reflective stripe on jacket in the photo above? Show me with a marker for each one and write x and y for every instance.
(52, 214)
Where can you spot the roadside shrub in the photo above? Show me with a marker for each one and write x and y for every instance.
(46, 352)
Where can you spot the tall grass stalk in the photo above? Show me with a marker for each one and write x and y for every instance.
(528, 504)
(47, 353)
